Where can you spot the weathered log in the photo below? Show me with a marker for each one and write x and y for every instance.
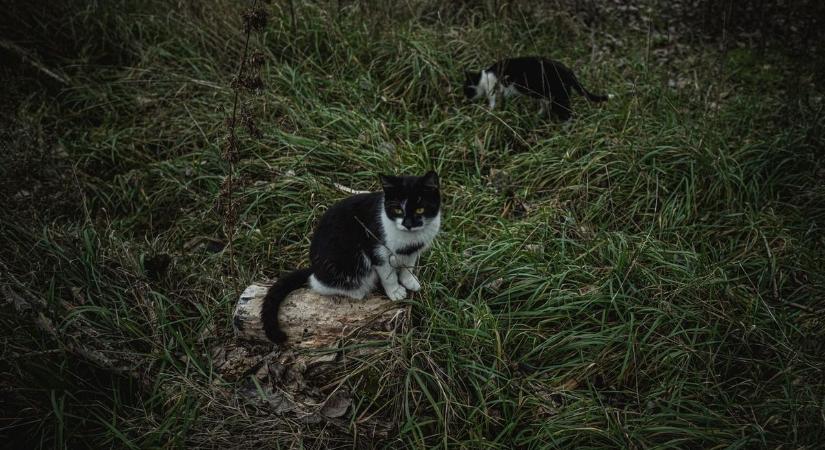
(311, 320)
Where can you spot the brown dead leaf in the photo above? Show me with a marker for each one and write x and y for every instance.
(336, 405)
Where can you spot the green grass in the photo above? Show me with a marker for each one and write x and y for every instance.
(649, 277)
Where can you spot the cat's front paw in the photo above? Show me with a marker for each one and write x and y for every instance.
(396, 293)
(409, 281)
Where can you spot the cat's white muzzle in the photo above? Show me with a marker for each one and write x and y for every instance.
(399, 224)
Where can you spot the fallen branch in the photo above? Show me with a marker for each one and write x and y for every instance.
(349, 190)
(26, 56)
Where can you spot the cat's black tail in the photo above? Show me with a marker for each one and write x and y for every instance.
(272, 301)
(587, 94)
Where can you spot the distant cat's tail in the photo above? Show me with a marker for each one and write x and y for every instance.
(587, 94)
(272, 301)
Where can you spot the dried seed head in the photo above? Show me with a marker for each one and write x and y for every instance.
(255, 19)
(225, 204)
(252, 83)
(253, 129)
(235, 83)
(230, 215)
(230, 151)
(248, 120)
(257, 60)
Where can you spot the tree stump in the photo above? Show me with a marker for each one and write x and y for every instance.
(317, 321)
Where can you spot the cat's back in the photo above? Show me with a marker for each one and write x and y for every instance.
(520, 64)
(359, 205)
(351, 218)
(346, 230)
(529, 65)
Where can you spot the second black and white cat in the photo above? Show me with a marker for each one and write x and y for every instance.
(544, 79)
(364, 240)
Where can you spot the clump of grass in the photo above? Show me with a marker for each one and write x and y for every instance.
(651, 276)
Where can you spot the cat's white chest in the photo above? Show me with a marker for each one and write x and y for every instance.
(396, 239)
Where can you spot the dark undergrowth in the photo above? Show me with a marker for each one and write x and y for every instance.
(650, 276)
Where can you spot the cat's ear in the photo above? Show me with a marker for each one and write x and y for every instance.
(389, 182)
(430, 180)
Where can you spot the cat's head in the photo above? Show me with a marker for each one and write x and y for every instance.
(472, 90)
(411, 202)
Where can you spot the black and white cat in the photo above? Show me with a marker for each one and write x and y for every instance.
(544, 79)
(365, 239)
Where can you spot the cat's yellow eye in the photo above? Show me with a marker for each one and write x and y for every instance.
(419, 211)
(397, 211)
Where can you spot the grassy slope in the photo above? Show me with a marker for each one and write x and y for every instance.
(622, 282)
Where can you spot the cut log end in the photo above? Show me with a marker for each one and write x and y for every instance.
(311, 320)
